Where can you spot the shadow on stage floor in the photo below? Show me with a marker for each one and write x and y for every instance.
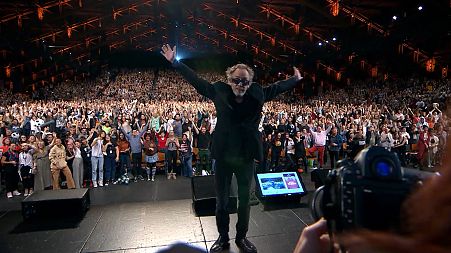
(44, 224)
(146, 217)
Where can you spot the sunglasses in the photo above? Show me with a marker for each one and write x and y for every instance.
(241, 81)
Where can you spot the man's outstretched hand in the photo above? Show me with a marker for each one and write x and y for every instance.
(168, 52)
(297, 74)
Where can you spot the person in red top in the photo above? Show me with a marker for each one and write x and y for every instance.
(161, 142)
(161, 138)
(5, 147)
(423, 144)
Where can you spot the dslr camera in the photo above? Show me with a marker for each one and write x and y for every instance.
(366, 192)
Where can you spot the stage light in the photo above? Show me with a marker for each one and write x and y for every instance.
(177, 58)
(320, 44)
(395, 18)
(420, 8)
(334, 39)
(327, 41)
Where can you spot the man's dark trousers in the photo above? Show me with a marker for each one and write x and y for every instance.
(136, 163)
(244, 171)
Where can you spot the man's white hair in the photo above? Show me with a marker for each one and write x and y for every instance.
(232, 69)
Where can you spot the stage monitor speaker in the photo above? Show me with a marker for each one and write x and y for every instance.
(319, 176)
(56, 203)
(204, 196)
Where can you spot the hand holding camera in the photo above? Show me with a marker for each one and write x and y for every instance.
(366, 193)
(313, 238)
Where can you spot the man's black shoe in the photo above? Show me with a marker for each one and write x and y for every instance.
(245, 245)
(221, 244)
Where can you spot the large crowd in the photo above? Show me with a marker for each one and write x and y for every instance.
(138, 123)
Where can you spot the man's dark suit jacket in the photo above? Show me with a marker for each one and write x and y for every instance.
(236, 134)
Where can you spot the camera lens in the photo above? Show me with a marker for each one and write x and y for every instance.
(317, 205)
(383, 168)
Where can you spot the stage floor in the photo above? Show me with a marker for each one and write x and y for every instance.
(146, 217)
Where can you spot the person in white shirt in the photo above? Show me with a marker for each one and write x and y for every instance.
(319, 140)
(77, 165)
(213, 120)
(36, 124)
(433, 148)
(435, 113)
(290, 151)
(97, 159)
(405, 134)
(26, 168)
(169, 126)
(387, 140)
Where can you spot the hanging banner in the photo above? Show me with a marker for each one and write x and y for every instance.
(8, 71)
(430, 65)
(40, 13)
(69, 32)
(374, 72)
(335, 8)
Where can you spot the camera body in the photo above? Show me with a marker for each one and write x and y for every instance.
(367, 192)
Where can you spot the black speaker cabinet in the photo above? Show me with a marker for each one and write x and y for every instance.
(204, 196)
(56, 203)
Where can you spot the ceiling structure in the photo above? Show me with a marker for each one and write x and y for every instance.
(47, 41)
